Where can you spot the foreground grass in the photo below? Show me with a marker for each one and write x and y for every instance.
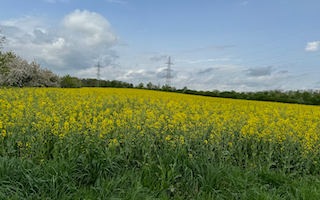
(167, 177)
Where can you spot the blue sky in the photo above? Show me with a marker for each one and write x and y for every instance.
(214, 44)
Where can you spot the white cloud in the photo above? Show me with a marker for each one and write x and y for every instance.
(206, 60)
(80, 39)
(243, 3)
(54, 1)
(207, 71)
(212, 48)
(90, 27)
(26, 24)
(259, 71)
(159, 58)
(312, 46)
(141, 75)
(117, 1)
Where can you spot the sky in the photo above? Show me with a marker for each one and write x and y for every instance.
(240, 45)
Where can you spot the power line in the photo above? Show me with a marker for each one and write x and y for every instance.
(312, 69)
(296, 59)
(278, 47)
(273, 49)
(271, 41)
(275, 40)
(268, 26)
(271, 23)
(272, 57)
(276, 56)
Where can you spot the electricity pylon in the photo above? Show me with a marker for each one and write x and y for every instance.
(168, 76)
(98, 73)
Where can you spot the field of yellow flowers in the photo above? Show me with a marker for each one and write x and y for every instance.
(113, 117)
(43, 124)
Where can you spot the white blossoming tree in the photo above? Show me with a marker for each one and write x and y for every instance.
(23, 74)
(15, 71)
(4, 57)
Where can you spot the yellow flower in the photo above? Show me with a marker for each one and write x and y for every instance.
(142, 117)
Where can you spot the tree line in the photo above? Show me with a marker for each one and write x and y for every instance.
(74, 82)
(309, 97)
(17, 72)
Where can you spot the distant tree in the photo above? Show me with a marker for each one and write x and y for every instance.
(298, 95)
(70, 82)
(149, 86)
(140, 86)
(5, 57)
(306, 96)
(103, 83)
(184, 89)
(316, 97)
(215, 93)
(113, 83)
(76, 82)
(243, 95)
(226, 94)
(284, 97)
(233, 94)
(278, 92)
(2, 39)
(42, 77)
(16, 72)
(166, 88)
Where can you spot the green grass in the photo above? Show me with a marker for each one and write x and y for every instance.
(167, 176)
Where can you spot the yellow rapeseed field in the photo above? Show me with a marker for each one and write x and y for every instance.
(32, 119)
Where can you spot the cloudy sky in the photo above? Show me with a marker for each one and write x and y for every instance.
(214, 44)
